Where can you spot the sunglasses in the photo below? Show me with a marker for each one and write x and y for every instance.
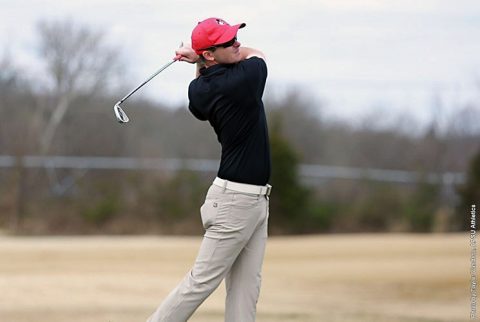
(224, 45)
(228, 43)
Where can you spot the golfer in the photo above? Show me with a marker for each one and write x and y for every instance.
(227, 93)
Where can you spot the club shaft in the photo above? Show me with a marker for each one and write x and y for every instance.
(149, 79)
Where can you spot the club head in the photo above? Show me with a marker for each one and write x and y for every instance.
(120, 114)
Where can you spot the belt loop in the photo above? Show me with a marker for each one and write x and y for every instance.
(224, 185)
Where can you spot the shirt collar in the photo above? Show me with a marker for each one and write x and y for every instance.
(211, 70)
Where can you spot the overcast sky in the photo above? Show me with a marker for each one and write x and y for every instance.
(350, 54)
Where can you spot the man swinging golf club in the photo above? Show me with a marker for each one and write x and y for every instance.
(228, 93)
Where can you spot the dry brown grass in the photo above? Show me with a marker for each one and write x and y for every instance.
(348, 278)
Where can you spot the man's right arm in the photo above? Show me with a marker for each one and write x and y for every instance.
(247, 53)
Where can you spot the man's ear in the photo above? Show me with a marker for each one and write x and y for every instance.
(208, 55)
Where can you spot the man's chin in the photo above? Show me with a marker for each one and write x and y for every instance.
(238, 58)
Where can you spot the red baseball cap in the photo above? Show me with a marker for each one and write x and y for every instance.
(211, 32)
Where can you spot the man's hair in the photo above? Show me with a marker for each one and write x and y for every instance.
(202, 59)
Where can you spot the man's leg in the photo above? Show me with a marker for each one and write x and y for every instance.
(244, 278)
(228, 229)
(213, 261)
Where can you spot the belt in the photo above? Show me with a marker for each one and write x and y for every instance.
(243, 187)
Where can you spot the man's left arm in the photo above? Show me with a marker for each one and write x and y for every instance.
(187, 54)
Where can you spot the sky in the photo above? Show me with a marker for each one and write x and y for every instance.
(350, 58)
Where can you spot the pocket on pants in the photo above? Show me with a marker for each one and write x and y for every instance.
(209, 212)
(245, 201)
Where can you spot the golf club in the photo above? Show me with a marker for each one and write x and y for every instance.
(119, 113)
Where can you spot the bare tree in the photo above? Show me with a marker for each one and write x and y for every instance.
(7, 82)
(78, 62)
(16, 103)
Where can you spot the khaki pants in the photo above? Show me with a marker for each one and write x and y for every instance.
(232, 248)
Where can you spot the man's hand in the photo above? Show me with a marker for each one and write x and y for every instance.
(187, 54)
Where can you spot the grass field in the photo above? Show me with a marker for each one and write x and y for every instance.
(348, 278)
